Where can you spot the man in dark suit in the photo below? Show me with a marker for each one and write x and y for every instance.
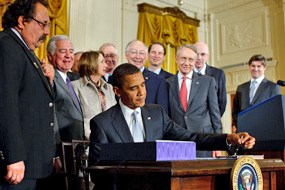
(68, 109)
(203, 68)
(114, 125)
(157, 52)
(264, 89)
(27, 142)
(136, 54)
(201, 112)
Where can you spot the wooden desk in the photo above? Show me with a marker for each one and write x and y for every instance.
(177, 175)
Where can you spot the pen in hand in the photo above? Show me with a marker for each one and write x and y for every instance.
(238, 146)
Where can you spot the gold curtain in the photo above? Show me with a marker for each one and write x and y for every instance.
(58, 10)
(170, 26)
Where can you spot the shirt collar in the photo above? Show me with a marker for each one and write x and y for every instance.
(189, 76)
(157, 71)
(126, 110)
(258, 80)
(62, 74)
(19, 36)
(202, 70)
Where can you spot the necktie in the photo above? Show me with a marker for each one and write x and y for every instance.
(74, 96)
(199, 72)
(102, 99)
(136, 128)
(183, 94)
(252, 90)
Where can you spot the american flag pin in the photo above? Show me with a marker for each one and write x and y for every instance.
(35, 65)
(146, 78)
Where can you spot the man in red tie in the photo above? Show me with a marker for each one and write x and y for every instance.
(193, 98)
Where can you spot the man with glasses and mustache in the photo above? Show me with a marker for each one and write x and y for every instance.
(111, 56)
(27, 128)
(193, 102)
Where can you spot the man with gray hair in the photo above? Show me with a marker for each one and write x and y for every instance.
(68, 110)
(111, 56)
(193, 102)
(137, 54)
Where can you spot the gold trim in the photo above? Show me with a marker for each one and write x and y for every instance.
(236, 172)
(173, 11)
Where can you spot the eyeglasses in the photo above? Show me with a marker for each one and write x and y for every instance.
(135, 52)
(42, 24)
(202, 54)
(184, 59)
(112, 56)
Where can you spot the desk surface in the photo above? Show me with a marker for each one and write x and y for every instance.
(182, 168)
(208, 174)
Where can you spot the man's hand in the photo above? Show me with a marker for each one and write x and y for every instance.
(243, 139)
(216, 153)
(57, 166)
(48, 71)
(15, 172)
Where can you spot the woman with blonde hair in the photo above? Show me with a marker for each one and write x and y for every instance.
(95, 94)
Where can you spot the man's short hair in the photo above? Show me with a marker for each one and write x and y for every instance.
(25, 8)
(51, 46)
(121, 72)
(258, 57)
(188, 46)
(158, 43)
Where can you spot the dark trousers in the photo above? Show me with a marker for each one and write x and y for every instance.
(26, 184)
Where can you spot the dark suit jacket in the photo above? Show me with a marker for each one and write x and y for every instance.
(265, 90)
(202, 114)
(111, 127)
(73, 76)
(156, 89)
(69, 116)
(220, 79)
(165, 74)
(26, 109)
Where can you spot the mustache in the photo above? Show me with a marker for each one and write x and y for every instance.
(43, 38)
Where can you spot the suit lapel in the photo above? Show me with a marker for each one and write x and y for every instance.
(209, 71)
(174, 87)
(147, 122)
(245, 97)
(194, 88)
(65, 88)
(120, 125)
(259, 90)
(34, 60)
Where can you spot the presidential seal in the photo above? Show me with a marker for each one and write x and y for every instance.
(246, 174)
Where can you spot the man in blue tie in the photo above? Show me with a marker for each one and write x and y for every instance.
(254, 91)
(68, 111)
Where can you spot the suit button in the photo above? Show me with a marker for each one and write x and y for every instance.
(51, 124)
(50, 105)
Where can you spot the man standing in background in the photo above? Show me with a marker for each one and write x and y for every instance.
(111, 56)
(156, 56)
(254, 91)
(193, 102)
(203, 68)
(136, 54)
(27, 129)
(68, 110)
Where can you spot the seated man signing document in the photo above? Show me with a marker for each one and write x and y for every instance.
(131, 120)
